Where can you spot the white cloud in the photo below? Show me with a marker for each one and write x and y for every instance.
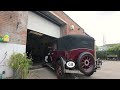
(97, 23)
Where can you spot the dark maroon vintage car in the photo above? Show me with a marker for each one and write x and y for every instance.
(73, 54)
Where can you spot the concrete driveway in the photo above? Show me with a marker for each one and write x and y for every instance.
(109, 70)
(42, 73)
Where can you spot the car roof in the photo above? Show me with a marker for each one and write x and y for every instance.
(77, 36)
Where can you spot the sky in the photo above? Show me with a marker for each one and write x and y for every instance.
(99, 24)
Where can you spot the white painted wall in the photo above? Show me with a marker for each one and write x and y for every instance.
(42, 25)
(9, 48)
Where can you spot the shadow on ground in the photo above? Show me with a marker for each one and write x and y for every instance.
(67, 76)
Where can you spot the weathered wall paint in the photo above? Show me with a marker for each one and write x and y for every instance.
(6, 50)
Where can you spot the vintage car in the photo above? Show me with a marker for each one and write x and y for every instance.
(73, 54)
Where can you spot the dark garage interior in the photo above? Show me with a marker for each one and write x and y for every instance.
(36, 46)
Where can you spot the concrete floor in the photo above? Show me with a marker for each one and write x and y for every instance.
(109, 70)
(42, 73)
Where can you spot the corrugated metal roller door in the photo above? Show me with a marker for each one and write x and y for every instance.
(42, 25)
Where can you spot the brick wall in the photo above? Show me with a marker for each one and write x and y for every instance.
(66, 29)
(14, 23)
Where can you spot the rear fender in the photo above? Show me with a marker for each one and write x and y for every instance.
(80, 56)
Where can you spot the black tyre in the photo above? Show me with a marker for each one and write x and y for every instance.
(59, 70)
(86, 64)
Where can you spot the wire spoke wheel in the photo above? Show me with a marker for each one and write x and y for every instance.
(86, 63)
(59, 70)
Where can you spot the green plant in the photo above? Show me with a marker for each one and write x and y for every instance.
(101, 54)
(20, 65)
(1, 38)
(114, 50)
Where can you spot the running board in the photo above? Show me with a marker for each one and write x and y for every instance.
(49, 65)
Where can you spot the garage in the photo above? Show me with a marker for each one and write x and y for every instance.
(41, 33)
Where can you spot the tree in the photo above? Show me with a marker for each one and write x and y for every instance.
(114, 50)
(96, 47)
(101, 54)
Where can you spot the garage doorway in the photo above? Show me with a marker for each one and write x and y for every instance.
(36, 46)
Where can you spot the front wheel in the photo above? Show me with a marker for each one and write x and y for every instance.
(59, 70)
(86, 64)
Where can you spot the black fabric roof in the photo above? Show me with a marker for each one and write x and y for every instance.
(69, 42)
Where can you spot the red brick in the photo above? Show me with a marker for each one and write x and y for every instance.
(8, 25)
(70, 22)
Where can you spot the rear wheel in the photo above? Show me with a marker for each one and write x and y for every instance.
(86, 64)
